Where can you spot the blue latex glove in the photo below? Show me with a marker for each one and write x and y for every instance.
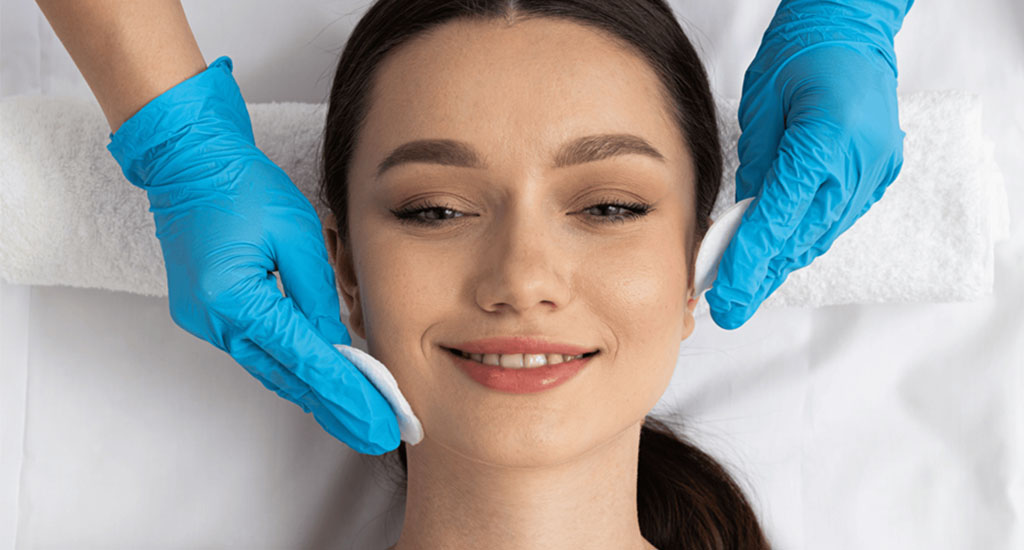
(820, 142)
(227, 217)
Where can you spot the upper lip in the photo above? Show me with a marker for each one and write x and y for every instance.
(510, 345)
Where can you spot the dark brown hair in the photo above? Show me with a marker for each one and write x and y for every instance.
(685, 498)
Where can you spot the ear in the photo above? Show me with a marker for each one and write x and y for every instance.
(688, 321)
(340, 258)
(691, 302)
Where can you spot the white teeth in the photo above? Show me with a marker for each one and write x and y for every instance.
(519, 360)
(535, 360)
(512, 360)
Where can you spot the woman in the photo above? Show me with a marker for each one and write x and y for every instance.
(546, 169)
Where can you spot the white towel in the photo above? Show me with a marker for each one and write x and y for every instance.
(68, 216)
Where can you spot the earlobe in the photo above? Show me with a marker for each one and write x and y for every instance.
(688, 321)
(693, 300)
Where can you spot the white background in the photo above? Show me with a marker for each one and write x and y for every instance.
(883, 426)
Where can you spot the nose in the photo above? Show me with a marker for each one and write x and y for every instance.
(523, 266)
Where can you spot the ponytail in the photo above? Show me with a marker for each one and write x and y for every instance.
(687, 500)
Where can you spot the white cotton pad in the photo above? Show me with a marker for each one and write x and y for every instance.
(716, 240)
(381, 378)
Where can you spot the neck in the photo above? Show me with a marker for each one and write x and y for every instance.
(454, 502)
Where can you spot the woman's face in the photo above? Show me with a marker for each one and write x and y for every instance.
(526, 248)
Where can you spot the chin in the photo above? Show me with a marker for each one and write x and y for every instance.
(515, 440)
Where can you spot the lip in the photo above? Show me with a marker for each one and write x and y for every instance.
(524, 380)
(510, 345)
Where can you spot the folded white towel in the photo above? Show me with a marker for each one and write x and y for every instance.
(68, 216)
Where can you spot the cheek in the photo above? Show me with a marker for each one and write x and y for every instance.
(639, 292)
(640, 288)
(401, 278)
(405, 288)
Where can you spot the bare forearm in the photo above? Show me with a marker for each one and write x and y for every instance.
(129, 51)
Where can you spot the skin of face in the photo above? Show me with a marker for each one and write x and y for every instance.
(527, 253)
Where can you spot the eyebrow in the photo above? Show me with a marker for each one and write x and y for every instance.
(450, 152)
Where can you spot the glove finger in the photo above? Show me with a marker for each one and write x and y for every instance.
(334, 420)
(802, 165)
(773, 281)
(269, 372)
(815, 235)
(811, 240)
(308, 279)
(819, 238)
(833, 211)
(328, 415)
(275, 324)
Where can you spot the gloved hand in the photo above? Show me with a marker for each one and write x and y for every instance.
(820, 142)
(227, 217)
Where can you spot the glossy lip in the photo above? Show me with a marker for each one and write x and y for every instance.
(523, 380)
(510, 345)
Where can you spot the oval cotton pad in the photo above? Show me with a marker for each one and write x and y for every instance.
(716, 240)
(381, 378)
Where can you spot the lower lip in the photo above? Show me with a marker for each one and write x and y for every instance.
(524, 380)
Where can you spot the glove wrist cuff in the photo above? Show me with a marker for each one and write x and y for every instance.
(207, 106)
(876, 20)
(799, 24)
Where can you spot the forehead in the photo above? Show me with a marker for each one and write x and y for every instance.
(516, 92)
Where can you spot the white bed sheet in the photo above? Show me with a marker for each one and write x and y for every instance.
(877, 426)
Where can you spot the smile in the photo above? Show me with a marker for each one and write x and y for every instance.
(519, 360)
(525, 373)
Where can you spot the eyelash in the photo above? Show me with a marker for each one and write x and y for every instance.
(409, 214)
